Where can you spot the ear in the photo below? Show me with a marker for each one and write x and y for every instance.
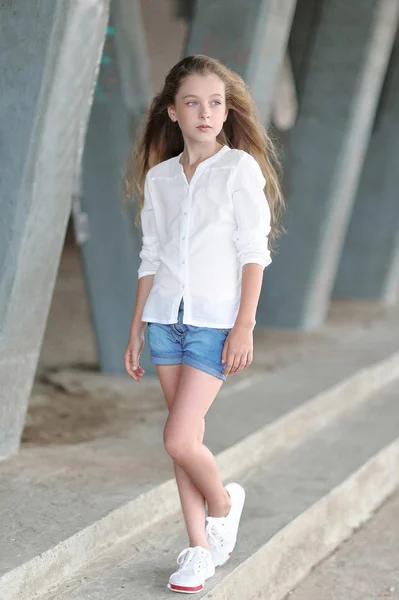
(172, 113)
(226, 114)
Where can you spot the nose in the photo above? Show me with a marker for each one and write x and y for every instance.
(203, 112)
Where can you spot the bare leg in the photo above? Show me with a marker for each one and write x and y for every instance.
(192, 500)
(194, 395)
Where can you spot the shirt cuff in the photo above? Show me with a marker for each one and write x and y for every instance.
(257, 258)
(142, 274)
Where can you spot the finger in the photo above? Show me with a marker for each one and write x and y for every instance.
(249, 358)
(243, 362)
(133, 374)
(128, 363)
(135, 361)
(236, 363)
(229, 364)
(139, 368)
(137, 372)
(225, 352)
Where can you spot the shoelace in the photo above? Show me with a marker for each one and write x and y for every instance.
(186, 556)
(215, 531)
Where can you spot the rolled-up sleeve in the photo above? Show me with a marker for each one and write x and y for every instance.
(252, 213)
(150, 245)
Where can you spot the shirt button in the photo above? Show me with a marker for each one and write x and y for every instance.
(184, 237)
(185, 213)
(182, 262)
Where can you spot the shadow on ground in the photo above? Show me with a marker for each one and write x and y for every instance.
(63, 411)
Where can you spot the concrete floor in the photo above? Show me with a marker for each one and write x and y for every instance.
(277, 492)
(365, 567)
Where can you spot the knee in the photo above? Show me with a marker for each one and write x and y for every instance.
(178, 446)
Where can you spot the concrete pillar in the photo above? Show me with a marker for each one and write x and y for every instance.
(285, 103)
(369, 266)
(249, 37)
(324, 156)
(302, 38)
(49, 52)
(110, 249)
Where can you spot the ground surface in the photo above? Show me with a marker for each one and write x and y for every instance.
(366, 567)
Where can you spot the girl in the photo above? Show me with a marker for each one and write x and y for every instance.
(200, 166)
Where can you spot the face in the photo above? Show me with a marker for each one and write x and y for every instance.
(200, 107)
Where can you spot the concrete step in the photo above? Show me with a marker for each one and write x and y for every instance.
(90, 497)
(366, 566)
(300, 506)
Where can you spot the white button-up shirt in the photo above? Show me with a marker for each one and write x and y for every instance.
(197, 236)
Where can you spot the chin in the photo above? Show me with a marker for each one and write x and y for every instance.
(211, 133)
(202, 136)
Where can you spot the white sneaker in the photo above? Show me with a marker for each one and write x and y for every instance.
(222, 531)
(196, 566)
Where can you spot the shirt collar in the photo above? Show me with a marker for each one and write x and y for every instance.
(205, 162)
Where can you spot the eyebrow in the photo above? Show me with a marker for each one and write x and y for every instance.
(194, 96)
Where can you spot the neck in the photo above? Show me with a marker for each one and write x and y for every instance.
(196, 153)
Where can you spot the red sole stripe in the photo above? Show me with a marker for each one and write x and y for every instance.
(186, 589)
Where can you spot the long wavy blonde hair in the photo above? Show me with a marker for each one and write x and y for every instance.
(160, 139)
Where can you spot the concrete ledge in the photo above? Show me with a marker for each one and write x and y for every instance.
(54, 566)
(293, 428)
(314, 534)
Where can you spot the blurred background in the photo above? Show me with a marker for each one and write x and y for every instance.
(88, 504)
(77, 77)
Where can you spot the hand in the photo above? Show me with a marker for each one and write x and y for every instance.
(132, 356)
(238, 349)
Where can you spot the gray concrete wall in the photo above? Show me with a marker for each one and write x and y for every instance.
(324, 157)
(369, 266)
(302, 38)
(49, 52)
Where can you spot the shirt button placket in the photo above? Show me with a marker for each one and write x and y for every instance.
(186, 202)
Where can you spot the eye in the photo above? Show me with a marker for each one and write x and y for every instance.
(190, 102)
(217, 102)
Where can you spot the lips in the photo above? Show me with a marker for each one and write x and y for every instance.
(204, 127)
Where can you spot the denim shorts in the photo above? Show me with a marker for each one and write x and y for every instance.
(200, 347)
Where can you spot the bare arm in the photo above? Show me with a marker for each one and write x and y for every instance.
(252, 277)
(144, 286)
(136, 339)
(238, 347)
